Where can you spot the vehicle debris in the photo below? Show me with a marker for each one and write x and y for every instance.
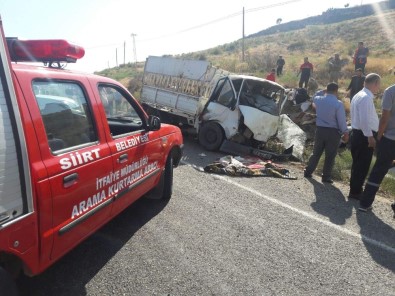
(249, 167)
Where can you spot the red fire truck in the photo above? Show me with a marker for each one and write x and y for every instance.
(75, 150)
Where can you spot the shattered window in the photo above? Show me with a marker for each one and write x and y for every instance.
(260, 95)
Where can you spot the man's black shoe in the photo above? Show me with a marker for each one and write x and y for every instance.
(330, 181)
(393, 208)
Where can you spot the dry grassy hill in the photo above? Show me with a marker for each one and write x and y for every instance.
(318, 42)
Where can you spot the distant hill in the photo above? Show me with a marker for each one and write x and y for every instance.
(317, 37)
(332, 15)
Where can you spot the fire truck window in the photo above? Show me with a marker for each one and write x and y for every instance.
(65, 113)
(122, 116)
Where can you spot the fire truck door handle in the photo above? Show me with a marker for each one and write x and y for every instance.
(123, 158)
(70, 180)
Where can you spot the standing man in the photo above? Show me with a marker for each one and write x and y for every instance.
(335, 65)
(385, 149)
(331, 125)
(356, 83)
(280, 64)
(365, 123)
(361, 56)
(306, 70)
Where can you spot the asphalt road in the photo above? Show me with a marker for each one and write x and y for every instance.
(222, 235)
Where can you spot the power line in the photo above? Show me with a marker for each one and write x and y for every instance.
(206, 24)
(222, 19)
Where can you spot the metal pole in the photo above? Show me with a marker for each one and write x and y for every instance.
(134, 48)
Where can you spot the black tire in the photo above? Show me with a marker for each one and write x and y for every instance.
(211, 136)
(7, 284)
(168, 179)
(164, 189)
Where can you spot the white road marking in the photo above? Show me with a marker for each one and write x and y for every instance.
(303, 213)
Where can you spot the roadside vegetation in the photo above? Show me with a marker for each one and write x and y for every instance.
(318, 42)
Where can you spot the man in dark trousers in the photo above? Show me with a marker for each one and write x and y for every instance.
(356, 83)
(331, 126)
(306, 70)
(280, 65)
(385, 149)
(365, 124)
(361, 57)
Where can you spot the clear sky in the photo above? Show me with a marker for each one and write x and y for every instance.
(161, 27)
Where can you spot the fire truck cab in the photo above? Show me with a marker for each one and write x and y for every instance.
(75, 150)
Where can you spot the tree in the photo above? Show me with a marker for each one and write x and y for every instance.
(346, 5)
(278, 21)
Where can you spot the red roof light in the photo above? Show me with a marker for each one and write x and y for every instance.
(44, 50)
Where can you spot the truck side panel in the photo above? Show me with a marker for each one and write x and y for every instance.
(161, 97)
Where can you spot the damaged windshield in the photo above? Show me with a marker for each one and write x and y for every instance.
(261, 95)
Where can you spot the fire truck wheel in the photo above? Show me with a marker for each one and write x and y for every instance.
(7, 284)
(164, 189)
(211, 136)
(168, 179)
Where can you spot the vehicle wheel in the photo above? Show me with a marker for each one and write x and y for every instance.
(164, 189)
(7, 284)
(211, 136)
(168, 179)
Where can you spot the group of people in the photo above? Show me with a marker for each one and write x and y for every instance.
(334, 67)
(368, 134)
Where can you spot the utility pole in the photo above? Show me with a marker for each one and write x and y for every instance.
(242, 57)
(124, 53)
(134, 48)
(116, 57)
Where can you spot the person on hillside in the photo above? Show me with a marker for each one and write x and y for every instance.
(280, 64)
(385, 149)
(306, 70)
(356, 83)
(272, 75)
(365, 124)
(361, 57)
(331, 126)
(335, 65)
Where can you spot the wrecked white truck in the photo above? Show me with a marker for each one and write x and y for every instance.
(224, 109)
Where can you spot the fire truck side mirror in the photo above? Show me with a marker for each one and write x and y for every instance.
(153, 123)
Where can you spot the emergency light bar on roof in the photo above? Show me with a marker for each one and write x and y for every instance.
(46, 51)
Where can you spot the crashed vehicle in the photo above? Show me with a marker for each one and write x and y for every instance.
(215, 104)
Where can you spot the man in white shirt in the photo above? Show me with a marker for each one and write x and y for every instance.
(365, 123)
(385, 150)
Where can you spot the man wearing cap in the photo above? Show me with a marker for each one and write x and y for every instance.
(335, 65)
(356, 83)
(385, 150)
(280, 64)
(365, 124)
(331, 126)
